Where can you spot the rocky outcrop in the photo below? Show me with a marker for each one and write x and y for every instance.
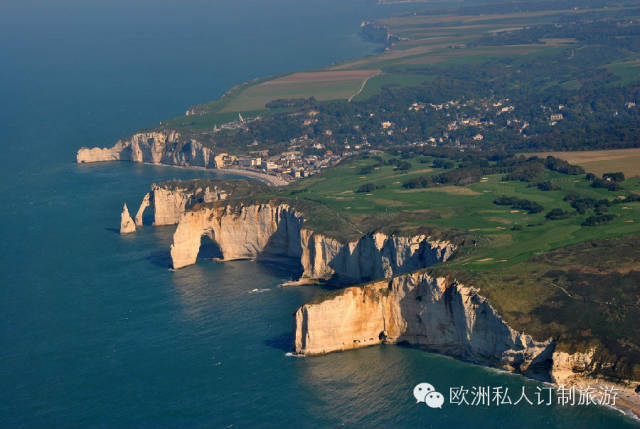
(371, 257)
(241, 233)
(435, 313)
(169, 204)
(169, 201)
(146, 202)
(155, 148)
(568, 368)
(127, 225)
(265, 231)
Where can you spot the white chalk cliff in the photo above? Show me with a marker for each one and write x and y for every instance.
(127, 225)
(436, 313)
(270, 230)
(168, 202)
(153, 147)
(412, 307)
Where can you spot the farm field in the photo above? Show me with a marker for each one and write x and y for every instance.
(424, 42)
(324, 85)
(440, 39)
(603, 161)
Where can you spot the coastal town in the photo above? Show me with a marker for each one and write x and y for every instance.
(465, 124)
(286, 166)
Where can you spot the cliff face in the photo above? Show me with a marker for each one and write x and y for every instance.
(152, 147)
(442, 316)
(256, 230)
(568, 368)
(146, 202)
(435, 313)
(273, 230)
(371, 257)
(170, 202)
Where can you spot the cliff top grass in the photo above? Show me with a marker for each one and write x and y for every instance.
(234, 187)
(371, 194)
(560, 276)
(584, 296)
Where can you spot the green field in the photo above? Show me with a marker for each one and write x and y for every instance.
(584, 295)
(466, 210)
(376, 83)
(629, 71)
(551, 278)
(449, 39)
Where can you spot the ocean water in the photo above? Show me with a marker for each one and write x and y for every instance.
(95, 331)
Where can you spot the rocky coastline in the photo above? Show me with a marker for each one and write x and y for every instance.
(399, 301)
(167, 148)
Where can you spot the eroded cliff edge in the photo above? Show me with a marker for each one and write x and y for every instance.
(153, 147)
(273, 230)
(436, 313)
(416, 308)
(167, 201)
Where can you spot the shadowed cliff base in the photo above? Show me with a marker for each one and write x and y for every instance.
(160, 258)
(209, 249)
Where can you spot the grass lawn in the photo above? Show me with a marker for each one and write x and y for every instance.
(466, 211)
(584, 296)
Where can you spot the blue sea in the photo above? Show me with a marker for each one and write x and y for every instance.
(95, 330)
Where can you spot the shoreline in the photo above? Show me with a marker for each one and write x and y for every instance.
(267, 178)
(627, 400)
(263, 177)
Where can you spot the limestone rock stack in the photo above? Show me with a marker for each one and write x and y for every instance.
(146, 202)
(127, 225)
